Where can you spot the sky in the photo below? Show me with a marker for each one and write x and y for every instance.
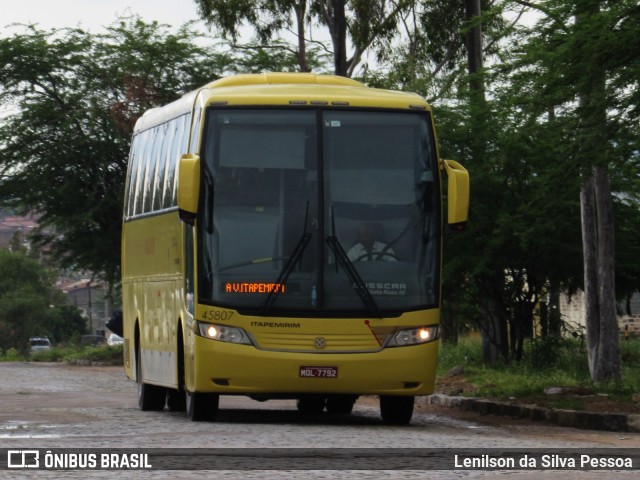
(92, 15)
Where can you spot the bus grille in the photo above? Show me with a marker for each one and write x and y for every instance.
(127, 352)
(317, 343)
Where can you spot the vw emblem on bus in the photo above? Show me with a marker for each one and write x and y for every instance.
(319, 342)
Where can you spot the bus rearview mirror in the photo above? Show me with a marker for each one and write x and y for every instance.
(188, 187)
(458, 194)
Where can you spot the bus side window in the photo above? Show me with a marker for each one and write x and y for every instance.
(138, 186)
(146, 173)
(158, 174)
(175, 132)
(154, 166)
(184, 146)
(133, 173)
(180, 146)
(166, 156)
(153, 169)
(195, 132)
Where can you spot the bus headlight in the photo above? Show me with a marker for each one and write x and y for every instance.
(223, 333)
(414, 336)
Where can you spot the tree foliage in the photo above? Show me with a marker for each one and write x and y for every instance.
(29, 304)
(358, 25)
(584, 54)
(73, 99)
(523, 242)
(550, 126)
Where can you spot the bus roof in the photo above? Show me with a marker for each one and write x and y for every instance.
(283, 89)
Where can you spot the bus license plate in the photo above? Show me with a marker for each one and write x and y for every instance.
(319, 372)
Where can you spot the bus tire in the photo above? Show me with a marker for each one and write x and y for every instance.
(202, 406)
(176, 400)
(150, 397)
(341, 404)
(396, 410)
(311, 405)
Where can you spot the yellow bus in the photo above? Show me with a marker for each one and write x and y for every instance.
(282, 238)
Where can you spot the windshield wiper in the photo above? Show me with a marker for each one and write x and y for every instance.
(208, 203)
(299, 249)
(358, 284)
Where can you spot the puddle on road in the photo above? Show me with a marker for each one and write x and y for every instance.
(21, 429)
(15, 425)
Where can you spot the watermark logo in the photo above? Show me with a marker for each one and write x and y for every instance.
(75, 459)
(23, 459)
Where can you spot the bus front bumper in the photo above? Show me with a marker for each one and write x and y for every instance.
(227, 368)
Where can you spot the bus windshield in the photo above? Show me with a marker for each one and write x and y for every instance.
(326, 212)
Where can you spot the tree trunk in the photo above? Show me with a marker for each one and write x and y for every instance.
(301, 9)
(553, 313)
(495, 337)
(495, 327)
(336, 20)
(474, 45)
(589, 256)
(599, 277)
(596, 206)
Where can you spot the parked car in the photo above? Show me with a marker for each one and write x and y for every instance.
(37, 344)
(114, 339)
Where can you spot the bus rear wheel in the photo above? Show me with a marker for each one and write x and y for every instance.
(176, 400)
(202, 406)
(341, 404)
(150, 397)
(396, 410)
(311, 405)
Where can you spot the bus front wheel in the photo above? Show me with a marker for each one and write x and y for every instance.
(202, 406)
(396, 410)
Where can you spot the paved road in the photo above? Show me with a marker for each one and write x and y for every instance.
(59, 406)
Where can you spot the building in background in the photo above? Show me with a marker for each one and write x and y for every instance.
(81, 289)
(572, 311)
(90, 297)
(15, 227)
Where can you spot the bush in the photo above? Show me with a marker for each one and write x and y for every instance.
(11, 355)
(102, 354)
(468, 351)
(55, 354)
(558, 352)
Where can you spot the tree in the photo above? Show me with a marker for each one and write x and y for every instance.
(26, 293)
(523, 240)
(73, 99)
(364, 24)
(489, 283)
(66, 323)
(596, 203)
(275, 57)
(584, 53)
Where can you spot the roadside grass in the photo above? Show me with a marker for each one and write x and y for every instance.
(84, 355)
(556, 363)
(102, 354)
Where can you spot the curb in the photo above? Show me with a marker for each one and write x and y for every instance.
(614, 422)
